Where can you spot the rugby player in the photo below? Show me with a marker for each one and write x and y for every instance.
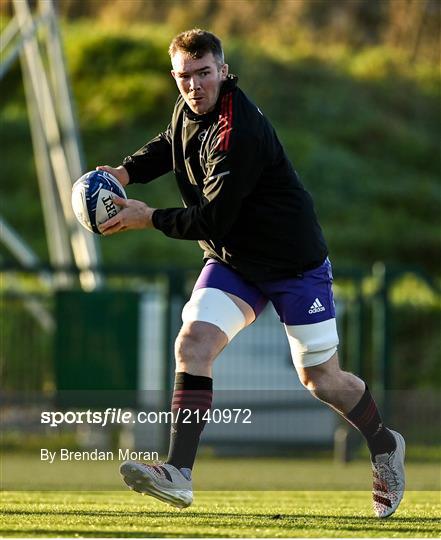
(254, 220)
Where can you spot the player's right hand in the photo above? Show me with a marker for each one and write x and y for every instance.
(120, 173)
(134, 215)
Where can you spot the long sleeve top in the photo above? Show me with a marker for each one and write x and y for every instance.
(243, 200)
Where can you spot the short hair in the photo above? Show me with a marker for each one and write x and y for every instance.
(197, 43)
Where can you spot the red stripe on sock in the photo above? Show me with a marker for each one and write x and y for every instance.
(193, 395)
(186, 404)
(190, 392)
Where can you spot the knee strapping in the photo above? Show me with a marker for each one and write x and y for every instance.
(312, 344)
(216, 307)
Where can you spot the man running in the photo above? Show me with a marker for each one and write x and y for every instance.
(245, 205)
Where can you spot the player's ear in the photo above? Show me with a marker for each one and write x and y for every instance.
(173, 74)
(224, 72)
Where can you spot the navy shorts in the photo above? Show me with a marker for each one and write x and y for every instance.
(299, 300)
(304, 304)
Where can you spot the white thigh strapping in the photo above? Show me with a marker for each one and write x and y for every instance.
(312, 344)
(216, 307)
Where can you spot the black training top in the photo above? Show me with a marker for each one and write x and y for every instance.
(243, 200)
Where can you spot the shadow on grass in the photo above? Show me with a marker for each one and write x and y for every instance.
(226, 520)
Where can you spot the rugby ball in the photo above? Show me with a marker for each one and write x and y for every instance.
(92, 198)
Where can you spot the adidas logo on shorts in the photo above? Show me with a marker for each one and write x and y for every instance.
(316, 307)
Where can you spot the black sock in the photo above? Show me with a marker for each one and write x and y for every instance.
(192, 398)
(366, 418)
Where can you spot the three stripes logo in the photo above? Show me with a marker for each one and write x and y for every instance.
(225, 122)
(316, 307)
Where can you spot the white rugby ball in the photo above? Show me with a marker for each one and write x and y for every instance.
(92, 199)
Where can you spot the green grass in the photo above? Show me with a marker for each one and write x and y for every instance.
(236, 497)
(213, 474)
(216, 514)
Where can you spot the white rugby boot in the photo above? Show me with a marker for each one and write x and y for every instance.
(388, 479)
(164, 482)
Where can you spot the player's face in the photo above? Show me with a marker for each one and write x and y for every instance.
(198, 80)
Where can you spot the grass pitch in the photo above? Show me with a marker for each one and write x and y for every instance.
(216, 514)
(236, 497)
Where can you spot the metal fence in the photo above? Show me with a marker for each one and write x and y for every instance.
(254, 372)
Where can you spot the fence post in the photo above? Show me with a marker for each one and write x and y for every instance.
(174, 301)
(381, 324)
(346, 441)
(356, 332)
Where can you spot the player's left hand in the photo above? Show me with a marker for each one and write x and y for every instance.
(134, 215)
